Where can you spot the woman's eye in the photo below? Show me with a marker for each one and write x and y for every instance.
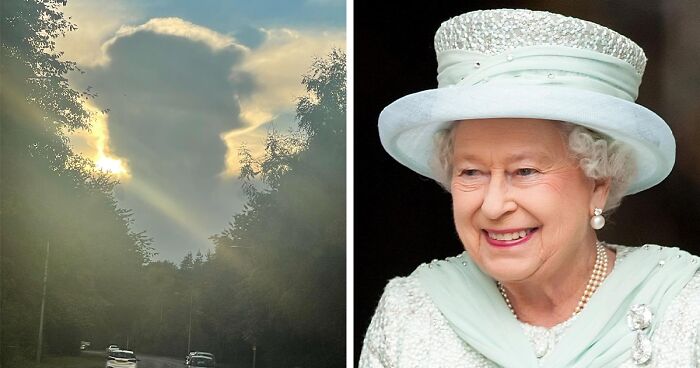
(470, 172)
(525, 172)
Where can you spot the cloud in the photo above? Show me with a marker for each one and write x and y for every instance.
(174, 27)
(182, 99)
(282, 59)
(97, 21)
(180, 28)
(278, 65)
(172, 88)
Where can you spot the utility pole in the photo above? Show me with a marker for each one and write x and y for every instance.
(43, 304)
(254, 349)
(189, 329)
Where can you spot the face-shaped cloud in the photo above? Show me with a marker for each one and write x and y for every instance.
(172, 89)
(171, 97)
(181, 100)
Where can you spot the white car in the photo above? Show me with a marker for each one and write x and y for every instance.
(198, 353)
(200, 361)
(111, 348)
(205, 354)
(121, 359)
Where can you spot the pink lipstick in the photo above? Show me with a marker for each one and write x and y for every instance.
(504, 242)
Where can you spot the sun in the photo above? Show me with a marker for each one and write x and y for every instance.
(110, 165)
(95, 144)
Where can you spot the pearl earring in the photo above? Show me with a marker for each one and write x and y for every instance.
(597, 221)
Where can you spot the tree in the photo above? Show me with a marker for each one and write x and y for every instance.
(289, 269)
(51, 194)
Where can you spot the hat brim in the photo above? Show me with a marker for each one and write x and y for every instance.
(408, 125)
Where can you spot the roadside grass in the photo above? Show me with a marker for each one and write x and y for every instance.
(83, 361)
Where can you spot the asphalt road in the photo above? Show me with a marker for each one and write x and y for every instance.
(150, 361)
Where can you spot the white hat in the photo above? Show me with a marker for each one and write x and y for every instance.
(518, 63)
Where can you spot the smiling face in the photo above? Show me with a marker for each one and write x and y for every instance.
(521, 203)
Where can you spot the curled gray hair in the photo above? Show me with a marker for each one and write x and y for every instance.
(599, 156)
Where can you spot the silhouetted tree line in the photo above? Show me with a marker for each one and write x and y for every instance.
(285, 253)
(50, 195)
(274, 283)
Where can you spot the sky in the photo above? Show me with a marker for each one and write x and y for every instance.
(180, 86)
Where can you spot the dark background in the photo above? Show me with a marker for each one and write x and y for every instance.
(403, 219)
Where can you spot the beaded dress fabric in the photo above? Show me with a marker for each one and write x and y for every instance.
(408, 330)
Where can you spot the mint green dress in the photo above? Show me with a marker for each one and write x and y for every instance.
(449, 314)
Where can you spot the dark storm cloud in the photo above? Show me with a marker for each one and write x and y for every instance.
(170, 98)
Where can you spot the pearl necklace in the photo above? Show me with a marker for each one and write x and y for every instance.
(600, 270)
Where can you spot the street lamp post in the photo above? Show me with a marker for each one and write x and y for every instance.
(189, 328)
(43, 304)
(254, 350)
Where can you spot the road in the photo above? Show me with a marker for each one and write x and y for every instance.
(150, 361)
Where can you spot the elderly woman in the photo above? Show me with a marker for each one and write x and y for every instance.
(535, 133)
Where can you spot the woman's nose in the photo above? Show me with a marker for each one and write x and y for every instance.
(497, 201)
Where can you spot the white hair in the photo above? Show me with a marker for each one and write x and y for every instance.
(599, 156)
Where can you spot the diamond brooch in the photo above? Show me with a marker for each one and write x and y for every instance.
(638, 320)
